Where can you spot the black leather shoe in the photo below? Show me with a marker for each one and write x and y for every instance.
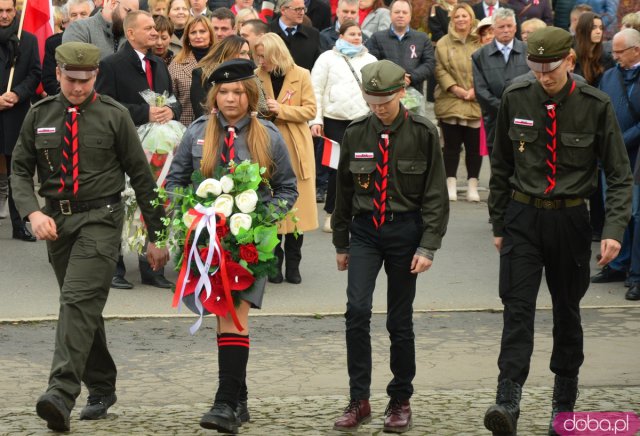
(23, 234)
(242, 412)
(119, 282)
(608, 275)
(633, 293)
(157, 281)
(52, 409)
(221, 417)
(293, 276)
(97, 406)
(276, 278)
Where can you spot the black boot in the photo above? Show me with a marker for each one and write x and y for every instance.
(150, 277)
(565, 393)
(221, 417)
(277, 276)
(242, 411)
(293, 255)
(502, 417)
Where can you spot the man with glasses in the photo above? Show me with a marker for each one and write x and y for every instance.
(622, 84)
(302, 41)
(104, 30)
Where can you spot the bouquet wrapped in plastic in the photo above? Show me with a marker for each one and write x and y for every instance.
(414, 101)
(158, 142)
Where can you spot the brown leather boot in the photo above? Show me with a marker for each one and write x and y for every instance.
(356, 413)
(397, 417)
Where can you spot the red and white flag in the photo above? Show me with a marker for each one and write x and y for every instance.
(38, 19)
(330, 153)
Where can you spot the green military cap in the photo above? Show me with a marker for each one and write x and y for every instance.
(547, 48)
(381, 80)
(78, 60)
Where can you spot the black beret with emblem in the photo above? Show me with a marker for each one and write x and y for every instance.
(381, 80)
(78, 60)
(547, 48)
(234, 70)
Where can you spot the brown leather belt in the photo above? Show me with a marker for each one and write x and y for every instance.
(69, 207)
(546, 203)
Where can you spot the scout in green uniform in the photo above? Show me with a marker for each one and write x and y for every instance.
(81, 143)
(550, 134)
(392, 207)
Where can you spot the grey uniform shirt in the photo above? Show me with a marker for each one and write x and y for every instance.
(189, 154)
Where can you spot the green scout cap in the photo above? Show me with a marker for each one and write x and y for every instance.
(547, 48)
(381, 80)
(78, 60)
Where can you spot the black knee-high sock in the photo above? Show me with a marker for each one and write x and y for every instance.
(233, 354)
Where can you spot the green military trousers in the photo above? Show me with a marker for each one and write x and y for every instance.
(84, 259)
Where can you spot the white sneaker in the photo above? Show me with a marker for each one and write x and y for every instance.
(4, 208)
(327, 224)
(452, 188)
(472, 190)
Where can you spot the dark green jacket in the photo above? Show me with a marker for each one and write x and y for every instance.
(416, 175)
(108, 147)
(587, 133)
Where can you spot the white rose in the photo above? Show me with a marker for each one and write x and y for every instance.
(227, 184)
(239, 221)
(247, 200)
(187, 219)
(224, 204)
(209, 186)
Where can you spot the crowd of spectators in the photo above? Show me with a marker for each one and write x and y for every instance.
(460, 54)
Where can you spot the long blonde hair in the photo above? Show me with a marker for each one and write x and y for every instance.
(276, 53)
(258, 139)
(183, 54)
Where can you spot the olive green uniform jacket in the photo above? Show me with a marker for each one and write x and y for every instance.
(416, 179)
(587, 133)
(108, 147)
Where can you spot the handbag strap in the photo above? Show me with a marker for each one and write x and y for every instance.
(353, 71)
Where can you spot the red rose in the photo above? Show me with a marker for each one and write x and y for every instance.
(249, 253)
(158, 160)
(221, 230)
(203, 255)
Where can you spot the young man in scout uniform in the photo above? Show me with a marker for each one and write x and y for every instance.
(392, 207)
(81, 143)
(550, 135)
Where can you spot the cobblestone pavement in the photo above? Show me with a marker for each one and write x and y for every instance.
(297, 376)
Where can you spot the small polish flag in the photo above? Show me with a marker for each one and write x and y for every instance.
(330, 153)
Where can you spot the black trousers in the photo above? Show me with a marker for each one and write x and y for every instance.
(16, 219)
(333, 129)
(454, 136)
(560, 242)
(394, 246)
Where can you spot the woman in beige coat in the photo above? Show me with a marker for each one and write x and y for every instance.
(456, 106)
(292, 103)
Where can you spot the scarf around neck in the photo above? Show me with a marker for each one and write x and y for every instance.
(347, 48)
(9, 38)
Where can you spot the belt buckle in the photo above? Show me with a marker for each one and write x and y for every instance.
(65, 207)
(548, 204)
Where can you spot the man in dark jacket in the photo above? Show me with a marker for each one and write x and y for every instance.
(123, 76)
(411, 49)
(495, 65)
(302, 41)
(346, 10)
(622, 84)
(21, 55)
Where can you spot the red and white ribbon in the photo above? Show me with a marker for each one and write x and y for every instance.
(205, 219)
